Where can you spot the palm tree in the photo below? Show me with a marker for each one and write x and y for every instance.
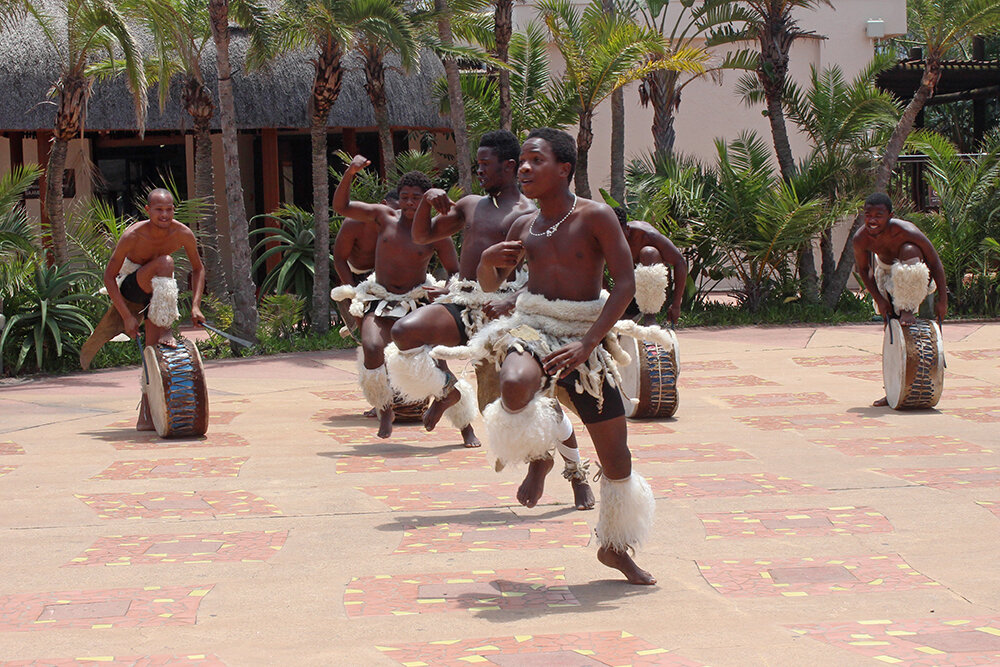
(603, 52)
(181, 33)
(503, 27)
(81, 33)
(457, 104)
(248, 13)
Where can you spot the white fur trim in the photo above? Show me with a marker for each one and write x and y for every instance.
(626, 513)
(910, 285)
(342, 292)
(462, 413)
(375, 386)
(163, 303)
(665, 338)
(565, 429)
(651, 288)
(413, 373)
(527, 435)
(128, 267)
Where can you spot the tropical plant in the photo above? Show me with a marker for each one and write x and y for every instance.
(18, 236)
(293, 239)
(281, 315)
(79, 32)
(603, 52)
(45, 317)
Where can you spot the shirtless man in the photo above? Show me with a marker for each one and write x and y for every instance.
(354, 246)
(652, 252)
(567, 243)
(141, 272)
(399, 282)
(906, 267)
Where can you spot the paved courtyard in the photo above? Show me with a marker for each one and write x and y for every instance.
(795, 524)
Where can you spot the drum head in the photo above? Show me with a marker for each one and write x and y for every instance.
(894, 362)
(631, 374)
(153, 387)
(178, 398)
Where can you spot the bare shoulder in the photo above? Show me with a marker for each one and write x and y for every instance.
(182, 231)
(644, 228)
(907, 227)
(861, 238)
(596, 213)
(350, 226)
(519, 227)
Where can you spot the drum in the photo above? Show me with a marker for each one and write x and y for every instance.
(174, 384)
(651, 378)
(912, 364)
(408, 412)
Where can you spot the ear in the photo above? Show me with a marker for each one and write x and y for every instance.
(564, 168)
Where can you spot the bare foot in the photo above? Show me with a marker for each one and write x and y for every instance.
(583, 496)
(469, 438)
(906, 318)
(881, 403)
(433, 414)
(624, 563)
(167, 338)
(533, 486)
(385, 423)
(145, 421)
(370, 412)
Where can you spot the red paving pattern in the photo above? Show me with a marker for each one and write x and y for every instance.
(947, 478)
(707, 485)
(821, 422)
(8, 448)
(4, 470)
(410, 461)
(226, 547)
(977, 355)
(147, 607)
(989, 415)
(709, 365)
(193, 660)
(701, 453)
(991, 506)
(214, 419)
(844, 360)
(340, 396)
(479, 590)
(178, 505)
(493, 535)
(970, 392)
(794, 523)
(801, 577)
(727, 381)
(925, 642)
(201, 466)
(640, 428)
(778, 400)
(352, 436)
(576, 650)
(911, 445)
(446, 496)
(152, 441)
(870, 376)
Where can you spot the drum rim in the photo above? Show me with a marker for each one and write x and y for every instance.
(155, 391)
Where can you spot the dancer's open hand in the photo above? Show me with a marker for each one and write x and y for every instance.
(566, 358)
(500, 307)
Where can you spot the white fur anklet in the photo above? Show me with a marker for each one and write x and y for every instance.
(626, 513)
(413, 373)
(527, 435)
(910, 285)
(651, 288)
(462, 413)
(163, 303)
(375, 386)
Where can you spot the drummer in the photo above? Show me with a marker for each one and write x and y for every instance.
(652, 253)
(898, 265)
(141, 272)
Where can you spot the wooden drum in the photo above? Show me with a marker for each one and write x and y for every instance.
(408, 412)
(912, 364)
(174, 384)
(651, 378)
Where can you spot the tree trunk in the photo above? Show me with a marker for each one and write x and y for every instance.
(617, 130)
(244, 291)
(829, 265)
(54, 200)
(661, 87)
(375, 87)
(584, 139)
(463, 157)
(928, 82)
(198, 104)
(503, 21)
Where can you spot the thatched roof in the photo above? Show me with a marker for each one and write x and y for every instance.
(274, 97)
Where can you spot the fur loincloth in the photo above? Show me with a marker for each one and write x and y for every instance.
(906, 284)
(389, 304)
(651, 284)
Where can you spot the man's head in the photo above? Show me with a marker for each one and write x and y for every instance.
(496, 160)
(411, 188)
(160, 207)
(391, 199)
(878, 212)
(547, 154)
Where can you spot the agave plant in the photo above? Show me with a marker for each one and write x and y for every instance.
(293, 241)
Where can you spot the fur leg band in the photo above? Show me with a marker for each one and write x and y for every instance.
(565, 431)
(651, 288)
(626, 514)
(527, 435)
(910, 285)
(462, 413)
(414, 374)
(163, 304)
(375, 386)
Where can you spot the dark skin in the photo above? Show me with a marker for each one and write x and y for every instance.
(649, 247)
(568, 265)
(400, 263)
(892, 239)
(151, 243)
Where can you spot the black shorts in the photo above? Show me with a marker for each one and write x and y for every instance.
(586, 405)
(132, 292)
(456, 311)
(632, 311)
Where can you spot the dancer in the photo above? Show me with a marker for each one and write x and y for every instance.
(400, 282)
(898, 265)
(140, 281)
(560, 336)
(652, 253)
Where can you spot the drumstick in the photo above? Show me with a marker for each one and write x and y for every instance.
(142, 358)
(228, 336)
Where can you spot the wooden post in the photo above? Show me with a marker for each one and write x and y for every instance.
(271, 175)
(44, 140)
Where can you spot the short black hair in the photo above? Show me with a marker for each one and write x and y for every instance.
(879, 198)
(415, 179)
(622, 215)
(563, 146)
(392, 195)
(160, 192)
(503, 142)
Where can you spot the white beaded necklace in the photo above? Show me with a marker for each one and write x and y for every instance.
(551, 230)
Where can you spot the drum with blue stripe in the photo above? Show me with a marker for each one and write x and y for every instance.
(174, 382)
